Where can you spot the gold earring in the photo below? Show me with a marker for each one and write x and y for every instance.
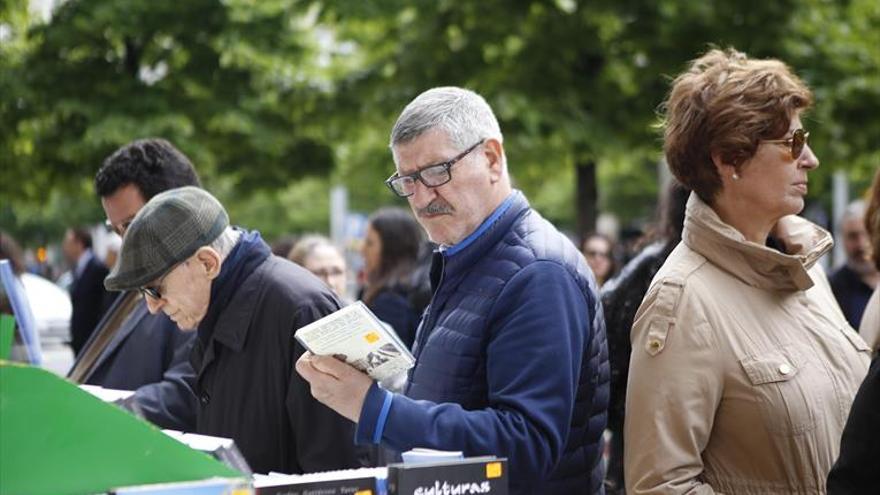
(735, 176)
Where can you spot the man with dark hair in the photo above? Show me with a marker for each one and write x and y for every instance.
(135, 173)
(131, 348)
(87, 294)
(154, 165)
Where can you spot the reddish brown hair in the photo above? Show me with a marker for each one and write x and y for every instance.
(725, 103)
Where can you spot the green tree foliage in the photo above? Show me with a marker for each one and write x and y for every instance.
(576, 83)
(836, 47)
(235, 84)
(264, 94)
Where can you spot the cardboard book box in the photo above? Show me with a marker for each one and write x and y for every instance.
(464, 477)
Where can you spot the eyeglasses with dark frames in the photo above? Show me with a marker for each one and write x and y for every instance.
(431, 176)
(796, 143)
(154, 290)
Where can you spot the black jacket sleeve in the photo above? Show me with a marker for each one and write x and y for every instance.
(171, 403)
(324, 440)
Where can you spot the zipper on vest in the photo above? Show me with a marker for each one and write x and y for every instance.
(427, 324)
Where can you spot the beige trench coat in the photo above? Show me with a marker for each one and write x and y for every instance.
(743, 366)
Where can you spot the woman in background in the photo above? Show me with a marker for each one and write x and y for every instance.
(391, 253)
(318, 255)
(621, 297)
(598, 250)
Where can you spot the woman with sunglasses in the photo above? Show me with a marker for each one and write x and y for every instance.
(743, 367)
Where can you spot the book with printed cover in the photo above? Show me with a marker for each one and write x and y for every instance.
(467, 476)
(354, 335)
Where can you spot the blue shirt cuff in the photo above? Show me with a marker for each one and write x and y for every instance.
(374, 415)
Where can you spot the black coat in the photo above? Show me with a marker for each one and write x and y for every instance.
(621, 298)
(149, 355)
(851, 292)
(855, 471)
(89, 300)
(247, 386)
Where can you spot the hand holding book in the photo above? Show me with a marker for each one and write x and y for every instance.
(354, 335)
(347, 351)
(335, 384)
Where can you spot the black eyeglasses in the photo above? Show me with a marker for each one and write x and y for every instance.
(153, 291)
(796, 142)
(431, 176)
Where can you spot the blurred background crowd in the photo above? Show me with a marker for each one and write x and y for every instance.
(284, 108)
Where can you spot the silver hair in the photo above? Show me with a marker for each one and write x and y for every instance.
(463, 115)
(224, 244)
(856, 209)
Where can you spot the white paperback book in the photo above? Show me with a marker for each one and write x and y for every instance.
(354, 335)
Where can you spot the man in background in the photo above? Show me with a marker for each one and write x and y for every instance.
(854, 282)
(87, 294)
(132, 349)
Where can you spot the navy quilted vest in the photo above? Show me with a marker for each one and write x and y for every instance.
(451, 343)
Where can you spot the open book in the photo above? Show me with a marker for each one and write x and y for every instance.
(354, 335)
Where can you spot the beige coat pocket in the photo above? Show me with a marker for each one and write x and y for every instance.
(782, 388)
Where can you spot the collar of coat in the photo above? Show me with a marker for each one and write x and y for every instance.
(233, 301)
(757, 265)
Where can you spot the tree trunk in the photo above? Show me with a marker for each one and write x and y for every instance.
(586, 197)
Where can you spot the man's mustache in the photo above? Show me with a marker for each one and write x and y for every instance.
(436, 207)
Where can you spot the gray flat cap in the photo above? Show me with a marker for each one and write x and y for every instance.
(170, 228)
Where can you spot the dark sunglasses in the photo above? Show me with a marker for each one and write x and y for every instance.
(154, 290)
(797, 142)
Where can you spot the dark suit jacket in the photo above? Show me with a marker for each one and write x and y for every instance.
(89, 300)
(855, 471)
(851, 292)
(149, 355)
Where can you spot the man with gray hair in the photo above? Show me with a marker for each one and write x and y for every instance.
(245, 305)
(854, 282)
(511, 358)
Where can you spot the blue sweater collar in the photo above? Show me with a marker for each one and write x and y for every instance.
(485, 226)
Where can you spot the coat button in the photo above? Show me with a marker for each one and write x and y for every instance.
(784, 369)
(205, 398)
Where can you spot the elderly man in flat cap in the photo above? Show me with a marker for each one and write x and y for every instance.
(245, 305)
